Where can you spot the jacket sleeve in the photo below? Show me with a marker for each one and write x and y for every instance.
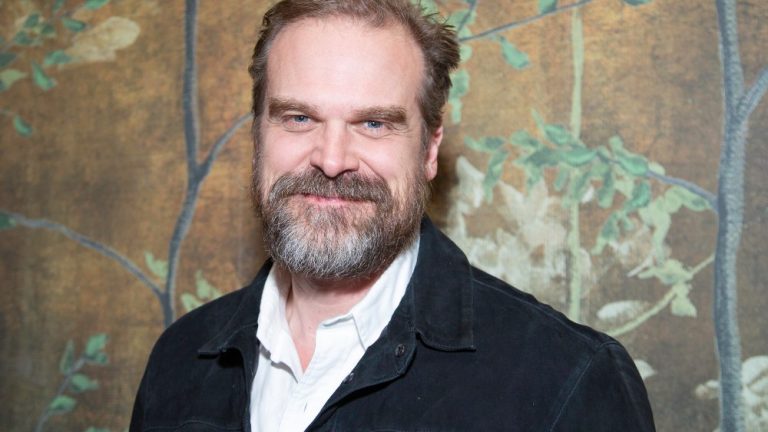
(608, 396)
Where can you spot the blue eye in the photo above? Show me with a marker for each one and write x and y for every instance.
(373, 124)
(300, 118)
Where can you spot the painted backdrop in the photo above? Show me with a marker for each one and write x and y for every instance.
(608, 156)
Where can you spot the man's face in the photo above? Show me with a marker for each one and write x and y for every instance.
(341, 173)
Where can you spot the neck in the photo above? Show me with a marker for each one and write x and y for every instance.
(311, 301)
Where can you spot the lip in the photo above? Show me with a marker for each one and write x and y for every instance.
(328, 200)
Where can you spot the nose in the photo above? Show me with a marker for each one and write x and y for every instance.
(333, 153)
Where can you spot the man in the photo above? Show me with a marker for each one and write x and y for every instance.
(367, 317)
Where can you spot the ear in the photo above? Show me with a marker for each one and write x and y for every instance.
(430, 156)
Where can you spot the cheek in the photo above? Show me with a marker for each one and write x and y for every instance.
(282, 154)
(396, 167)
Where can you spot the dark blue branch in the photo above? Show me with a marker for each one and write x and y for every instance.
(687, 185)
(90, 244)
(465, 19)
(191, 129)
(730, 203)
(522, 22)
(189, 92)
(754, 95)
(205, 167)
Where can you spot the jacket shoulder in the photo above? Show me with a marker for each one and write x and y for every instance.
(520, 310)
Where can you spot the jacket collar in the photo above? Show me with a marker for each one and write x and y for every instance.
(441, 290)
(438, 299)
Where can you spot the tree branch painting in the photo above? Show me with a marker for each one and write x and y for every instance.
(737, 106)
(196, 175)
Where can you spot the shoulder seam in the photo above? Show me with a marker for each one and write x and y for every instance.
(542, 309)
(578, 382)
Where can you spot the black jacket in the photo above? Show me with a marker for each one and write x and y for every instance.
(464, 351)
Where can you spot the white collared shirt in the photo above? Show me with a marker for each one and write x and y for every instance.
(283, 397)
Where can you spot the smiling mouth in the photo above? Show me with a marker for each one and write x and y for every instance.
(332, 199)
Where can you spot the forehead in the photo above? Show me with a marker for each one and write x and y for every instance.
(345, 60)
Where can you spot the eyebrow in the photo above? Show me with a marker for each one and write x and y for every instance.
(390, 114)
(394, 114)
(278, 106)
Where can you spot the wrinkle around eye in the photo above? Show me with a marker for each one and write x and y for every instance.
(297, 122)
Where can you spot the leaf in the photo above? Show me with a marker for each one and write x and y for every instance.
(513, 56)
(634, 165)
(41, 78)
(22, 127)
(562, 179)
(48, 30)
(636, 2)
(621, 311)
(32, 20)
(655, 216)
(486, 144)
(6, 221)
(493, 174)
(617, 144)
(465, 53)
(73, 24)
(9, 76)
(524, 139)
(101, 43)
(61, 404)
(94, 4)
(546, 6)
(681, 305)
(95, 345)
(158, 267)
(671, 272)
(641, 196)
(428, 7)
(607, 191)
(688, 199)
(68, 358)
(608, 233)
(542, 157)
(754, 374)
(190, 302)
(100, 358)
(57, 5)
(459, 17)
(81, 383)
(22, 38)
(645, 369)
(558, 134)
(459, 89)
(205, 290)
(578, 156)
(6, 58)
(56, 58)
(578, 188)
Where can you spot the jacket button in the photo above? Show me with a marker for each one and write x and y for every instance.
(399, 350)
(348, 378)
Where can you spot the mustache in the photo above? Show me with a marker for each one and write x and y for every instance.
(349, 186)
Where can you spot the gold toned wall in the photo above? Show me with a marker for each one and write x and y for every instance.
(592, 158)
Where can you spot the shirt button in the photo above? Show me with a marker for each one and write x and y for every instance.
(399, 350)
(348, 378)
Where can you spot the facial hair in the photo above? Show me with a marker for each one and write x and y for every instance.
(338, 242)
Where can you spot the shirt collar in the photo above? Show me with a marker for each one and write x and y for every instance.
(437, 303)
(375, 310)
(370, 315)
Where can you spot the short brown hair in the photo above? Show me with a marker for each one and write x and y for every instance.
(436, 39)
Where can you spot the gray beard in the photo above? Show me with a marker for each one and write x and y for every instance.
(344, 242)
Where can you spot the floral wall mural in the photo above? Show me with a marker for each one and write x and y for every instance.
(605, 155)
